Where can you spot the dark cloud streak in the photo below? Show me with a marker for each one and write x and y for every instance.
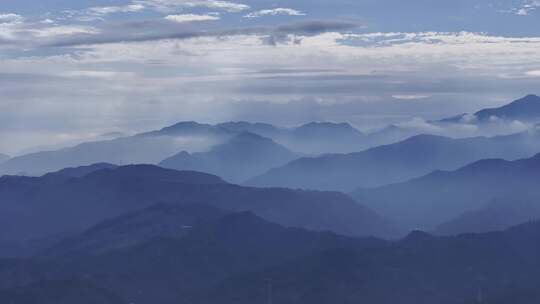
(155, 31)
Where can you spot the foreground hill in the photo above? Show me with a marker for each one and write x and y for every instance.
(37, 207)
(157, 221)
(240, 258)
(170, 268)
(420, 269)
(242, 157)
(441, 196)
(397, 162)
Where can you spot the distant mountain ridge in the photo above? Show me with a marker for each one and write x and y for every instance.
(155, 146)
(526, 109)
(499, 214)
(413, 157)
(242, 157)
(442, 196)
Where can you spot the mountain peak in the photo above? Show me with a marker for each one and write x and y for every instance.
(417, 236)
(328, 128)
(326, 124)
(249, 136)
(527, 108)
(530, 97)
(189, 128)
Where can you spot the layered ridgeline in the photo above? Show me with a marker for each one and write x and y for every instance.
(241, 258)
(493, 194)
(156, 146)
(526, 109)
(397, 162)
(171, 254)
(238, 159)
(151, 148)
(498, 214)
(55, 204)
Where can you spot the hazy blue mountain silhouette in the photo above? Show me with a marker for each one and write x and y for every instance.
(388, 135)
(442, 196)
(262, 129)
(242, 157)
(524, 109)
(158, 221)
(311, 138)
(155, 146)
(165, 269)
(241, 258)
(397, 162)
(324, 137)
(79, 171)
(151, 147)
(420, 269)
(499, 214)
(37, 207)
(190, 128)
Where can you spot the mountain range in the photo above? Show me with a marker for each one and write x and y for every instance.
(150, 147)
(242, 157)
(499, 214)
(241, 258)
(35, 207)
(397, 162)
(523, 109)
(313, 139)
(442, 196)
(155, 146)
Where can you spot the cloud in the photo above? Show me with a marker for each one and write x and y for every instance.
(11, 18)
(106, 10)
(224, 72)
(410, 97)
(317, 27)
(274, 12)
(154, 31)
(533, 73)
(98, 13)
(191, 18)
(173, 5)
(527, 8)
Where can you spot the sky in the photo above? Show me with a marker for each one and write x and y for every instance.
(71, 70)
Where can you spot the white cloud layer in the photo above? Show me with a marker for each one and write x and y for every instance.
(274, 12)
(172, 5)
(10, 18)
(148, 63)
(191, 18)
(106, 10)
(527, 8)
